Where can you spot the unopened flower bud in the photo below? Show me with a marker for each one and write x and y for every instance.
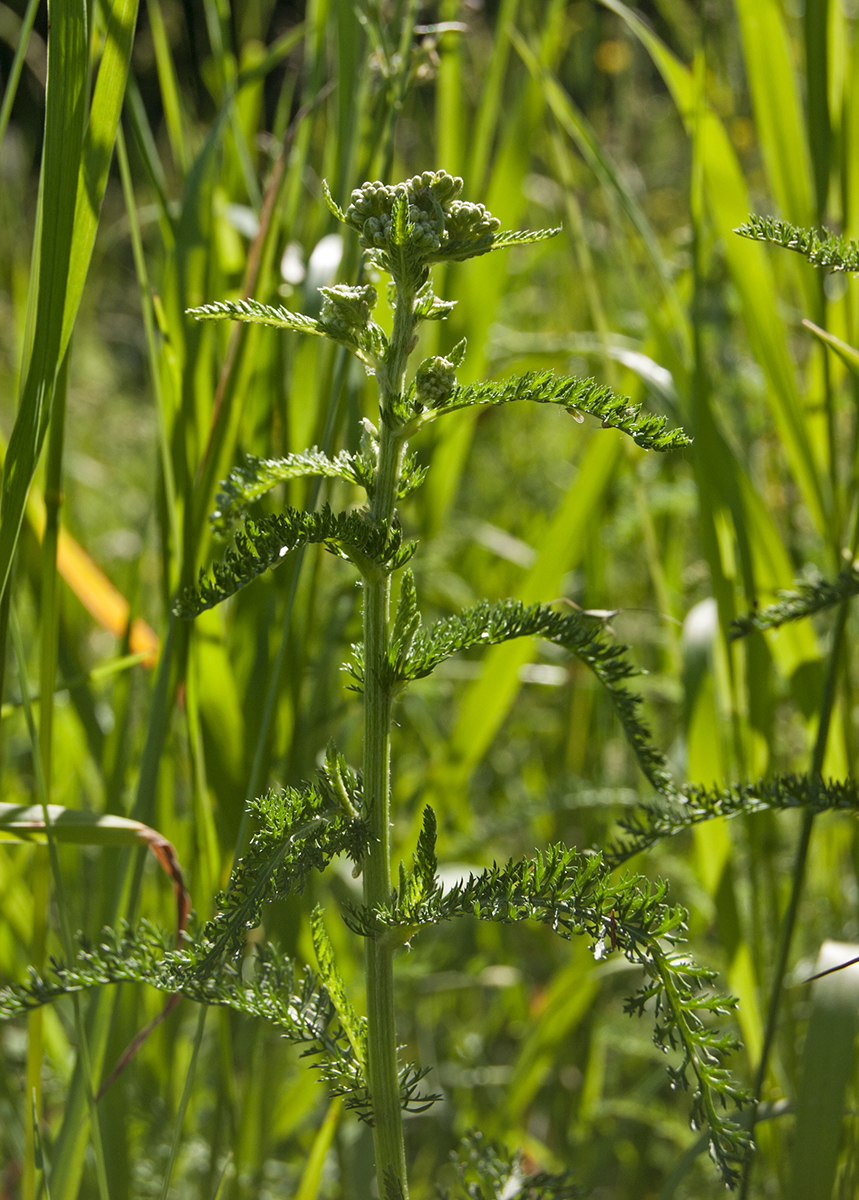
(346, 310)
(434, 382)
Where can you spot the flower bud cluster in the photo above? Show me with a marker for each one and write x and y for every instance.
(435, 382)
(370, 213)
(346, 311)
(469, 222)
(438, 221)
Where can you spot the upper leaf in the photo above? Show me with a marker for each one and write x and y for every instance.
(575, 894)
(698, 804)
(255, 313)
(355, 1026)
(822, 249)
(266, 542)
(581, 634)
(345, 318)
(576, 395)
(807, 597)
(256, 476)
(301, 829)
(411, 225)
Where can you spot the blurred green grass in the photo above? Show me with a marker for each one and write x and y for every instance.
(554, 113)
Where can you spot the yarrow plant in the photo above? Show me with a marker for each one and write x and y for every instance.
(405, 230)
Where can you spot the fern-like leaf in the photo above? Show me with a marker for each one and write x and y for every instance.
(293, 998)
(257, 476)
(355, 1026)
(821, 248)
(266, 542)
(582, 635)
(289, 996)
(256, 313)
(809, 596)
(574, 894)
(697, 804)
(393, 1187)
(300, 831)
(578, 396)
(457, 250)
(487, 1170)
(522, 237)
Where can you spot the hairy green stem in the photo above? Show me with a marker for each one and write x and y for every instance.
(382, 1069)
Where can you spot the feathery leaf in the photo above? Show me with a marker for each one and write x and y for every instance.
(582, 635)
(487, 1170)
(576, 395)
(697, 804)
(257, 476)
(574, 894)
(809, 596)
(290, 997)
(257, 314)
(300, 830)
(267, 540)
(522, 237)
(293, 998)
(822, 249)
(355, 1026)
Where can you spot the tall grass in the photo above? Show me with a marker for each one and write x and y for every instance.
(650, 135)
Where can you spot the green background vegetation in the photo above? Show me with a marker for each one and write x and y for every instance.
(649, 143)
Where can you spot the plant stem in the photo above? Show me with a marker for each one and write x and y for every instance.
(383, 1073)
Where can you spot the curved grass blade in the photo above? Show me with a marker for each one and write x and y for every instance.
(849, 355)
(26, 823)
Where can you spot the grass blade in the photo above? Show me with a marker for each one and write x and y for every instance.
(169, 86)
(74, 174)
(816, 22)
(308, 1189)
(827, 1064)
(727, 197)
(778, 114)
(107, 102)
(65, 123)
(45, 809)
(487, 701)
(17, 66)
(847, 353)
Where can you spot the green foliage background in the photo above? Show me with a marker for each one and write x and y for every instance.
(649, 137)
